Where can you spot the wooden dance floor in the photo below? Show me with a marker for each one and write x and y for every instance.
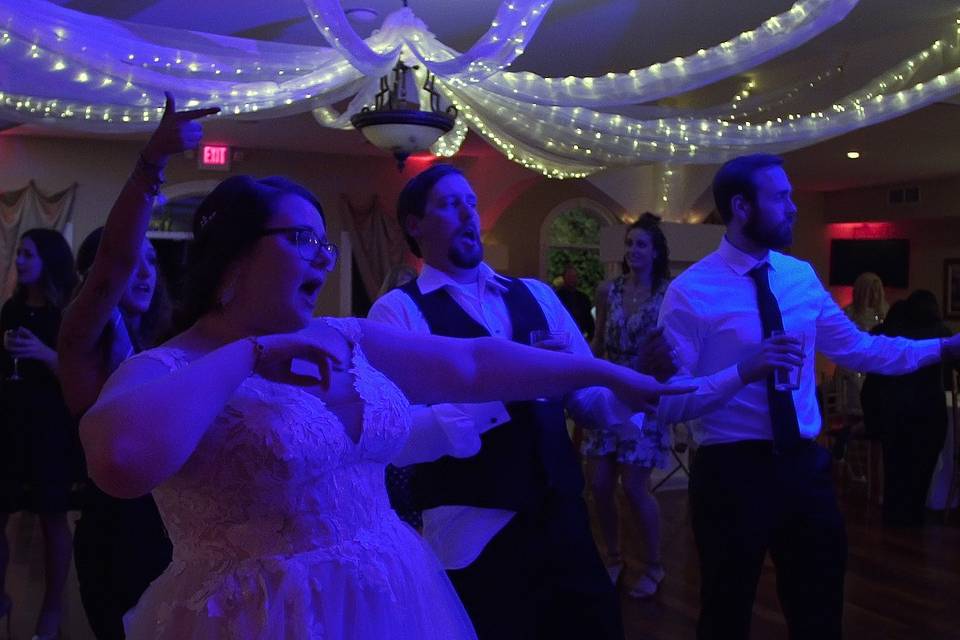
(901, 583)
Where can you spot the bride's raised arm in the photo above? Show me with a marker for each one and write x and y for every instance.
(432, 369)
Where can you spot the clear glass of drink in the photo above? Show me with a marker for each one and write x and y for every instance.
(788, 378)
(553, 340)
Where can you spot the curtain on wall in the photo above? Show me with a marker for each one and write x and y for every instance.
(25, 209)
(377, 241)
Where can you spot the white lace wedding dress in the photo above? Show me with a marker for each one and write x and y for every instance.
(281, 526)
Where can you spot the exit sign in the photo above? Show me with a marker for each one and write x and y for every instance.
(214, 156)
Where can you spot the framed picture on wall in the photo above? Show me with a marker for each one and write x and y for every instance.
(951, 288)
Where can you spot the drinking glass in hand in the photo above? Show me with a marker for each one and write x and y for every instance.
(553, 340)
(9, 336)
(788, 378)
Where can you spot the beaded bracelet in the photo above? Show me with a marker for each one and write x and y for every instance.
(149, 175)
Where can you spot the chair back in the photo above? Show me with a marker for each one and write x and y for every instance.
(832, 396)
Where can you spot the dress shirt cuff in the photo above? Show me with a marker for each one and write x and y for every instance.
(462, 424)
(598, 408)
(592, 407)
(930, 352)
(448, 430)
(726, 382)
(712, 392)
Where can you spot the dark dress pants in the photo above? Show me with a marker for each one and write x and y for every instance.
(745, 500)
(541, 577)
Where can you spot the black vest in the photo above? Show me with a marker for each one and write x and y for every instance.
(519, 461)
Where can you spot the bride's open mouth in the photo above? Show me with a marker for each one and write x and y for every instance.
(311, 288)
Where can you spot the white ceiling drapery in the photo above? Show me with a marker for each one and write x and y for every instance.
(76, 70)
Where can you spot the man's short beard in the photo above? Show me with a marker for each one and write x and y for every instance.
(465, 260)
(766, 238)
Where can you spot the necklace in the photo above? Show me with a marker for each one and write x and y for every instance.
(634, 295)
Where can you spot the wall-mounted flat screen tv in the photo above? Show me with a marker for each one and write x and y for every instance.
(888, 258)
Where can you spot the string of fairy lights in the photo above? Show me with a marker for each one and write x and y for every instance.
(108, 75)
(776, 35)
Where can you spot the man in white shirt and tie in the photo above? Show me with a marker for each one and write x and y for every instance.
(759, 482)
(508, 523)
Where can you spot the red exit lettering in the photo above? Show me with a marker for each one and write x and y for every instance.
(214, 156)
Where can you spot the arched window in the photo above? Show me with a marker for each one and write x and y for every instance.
(570, 235)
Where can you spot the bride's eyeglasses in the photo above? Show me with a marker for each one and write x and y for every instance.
(309, 245)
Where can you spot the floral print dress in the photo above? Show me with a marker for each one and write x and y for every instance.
(623, 336)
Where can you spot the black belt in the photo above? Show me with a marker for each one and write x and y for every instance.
(753, 446)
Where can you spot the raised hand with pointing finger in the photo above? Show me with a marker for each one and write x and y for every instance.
(121, 252)
(178, 131)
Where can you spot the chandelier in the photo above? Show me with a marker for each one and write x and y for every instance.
(396, 123)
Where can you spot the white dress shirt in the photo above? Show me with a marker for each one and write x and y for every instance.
(459, 533)
(710, 315)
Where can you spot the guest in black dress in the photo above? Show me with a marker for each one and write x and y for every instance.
(121, 546)
(38, 444)
(120, 309)
(912, 413)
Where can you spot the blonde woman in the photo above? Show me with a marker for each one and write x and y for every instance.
(868, 309)
(869, 306)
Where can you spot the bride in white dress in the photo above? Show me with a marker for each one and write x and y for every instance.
(263, 434)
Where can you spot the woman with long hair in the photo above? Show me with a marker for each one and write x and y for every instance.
(627, 312)
(37, 438)
(121, 308)
(869, 306)
(264, 432)
(868, 309)
(120, 546)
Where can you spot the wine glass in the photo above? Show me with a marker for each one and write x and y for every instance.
(8, 337)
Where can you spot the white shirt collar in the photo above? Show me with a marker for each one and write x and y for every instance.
(741, 263)
(432, 279)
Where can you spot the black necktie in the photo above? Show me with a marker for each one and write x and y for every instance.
(783, 413)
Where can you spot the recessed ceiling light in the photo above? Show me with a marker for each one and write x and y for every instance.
(362, 14)
(853, 155)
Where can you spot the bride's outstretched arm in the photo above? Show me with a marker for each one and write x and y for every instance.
(431, 369)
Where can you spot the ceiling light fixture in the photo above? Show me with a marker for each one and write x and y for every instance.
(853, 155)
(396, 123)
(363, 15)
